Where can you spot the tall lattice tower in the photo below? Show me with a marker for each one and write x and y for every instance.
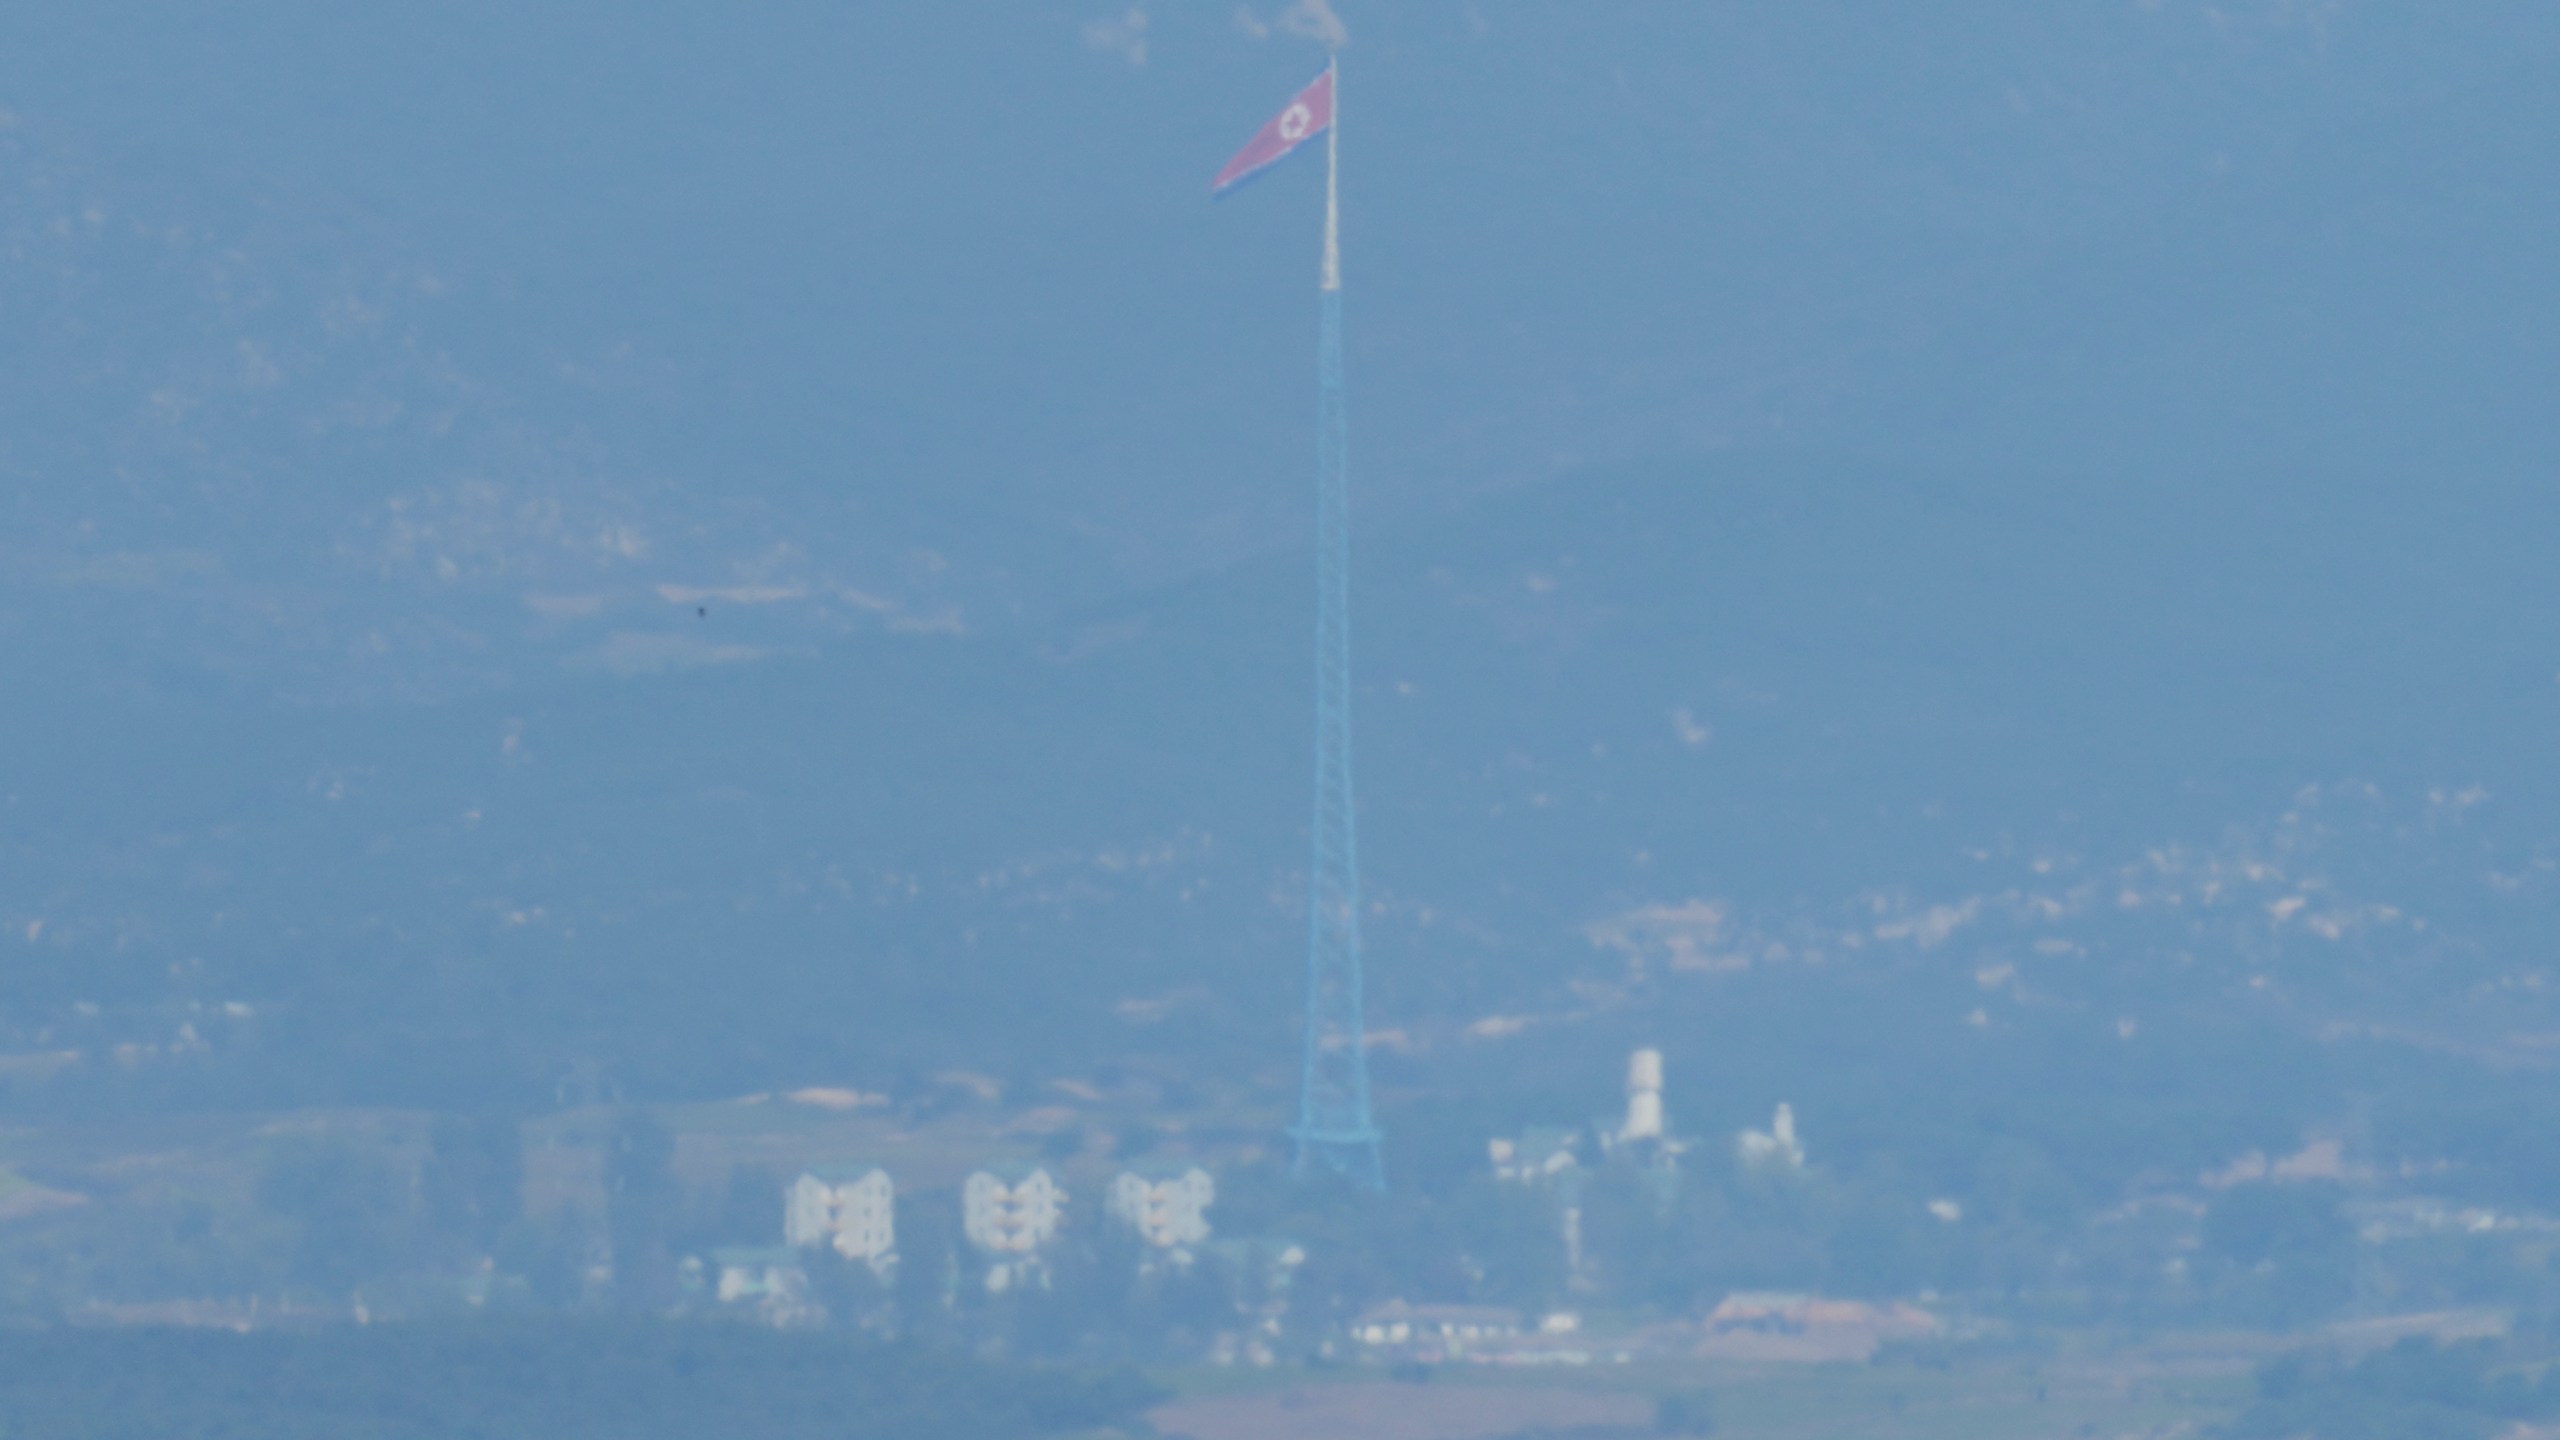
(1334, 1127)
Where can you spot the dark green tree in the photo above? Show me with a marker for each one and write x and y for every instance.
(926, 1287)
(850, 1291)
(640, 1209)
(347, 1205)
(473, 1182)
(2286, 1253)
(1685, 1412)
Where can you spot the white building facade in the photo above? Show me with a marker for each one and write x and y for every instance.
(852, 1208)
(1168, 1207)
(1011, 1213)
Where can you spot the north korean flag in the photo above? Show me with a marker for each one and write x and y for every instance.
(1303, 120)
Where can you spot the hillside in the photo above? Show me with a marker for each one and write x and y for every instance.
(1875, 542)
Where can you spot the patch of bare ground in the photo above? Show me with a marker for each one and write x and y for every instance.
(21, 1200)
(238, 1315)
(1399, 1412)
(2446, 1326)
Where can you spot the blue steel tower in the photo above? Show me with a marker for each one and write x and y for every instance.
(1334, 1128)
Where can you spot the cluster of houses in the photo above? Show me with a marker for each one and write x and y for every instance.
(1011, 1217)
(1640, 1143)
(1552, 1156)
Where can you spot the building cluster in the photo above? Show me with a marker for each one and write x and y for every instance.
(1554, 1156)
(1011, 1218)
(1637, 1143)
(1775, 1148)
(1014, 1217)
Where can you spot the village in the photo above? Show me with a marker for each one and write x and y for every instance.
(1156, 1217)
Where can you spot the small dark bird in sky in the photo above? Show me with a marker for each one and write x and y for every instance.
(701, 612)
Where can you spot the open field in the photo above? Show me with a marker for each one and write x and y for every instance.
(2134, 1395)
(1377, 1410)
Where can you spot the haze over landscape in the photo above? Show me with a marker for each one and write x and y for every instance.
(1980, 574)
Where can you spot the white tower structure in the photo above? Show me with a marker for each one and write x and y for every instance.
(1644, 1096)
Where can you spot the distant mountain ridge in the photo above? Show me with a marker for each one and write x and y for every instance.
(1633, 729)
(778, 634)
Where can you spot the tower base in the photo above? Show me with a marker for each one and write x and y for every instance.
(1351, 1154)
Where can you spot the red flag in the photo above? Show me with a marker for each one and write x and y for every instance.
(1305, 118)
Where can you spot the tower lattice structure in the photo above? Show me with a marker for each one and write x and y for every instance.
(1334, 1128)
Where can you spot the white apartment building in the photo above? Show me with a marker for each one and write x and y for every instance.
(1011, 1210)
(850, 1207)
(1167, 1205)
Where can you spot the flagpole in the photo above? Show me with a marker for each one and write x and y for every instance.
(1334, 1129)
(1332, 280)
